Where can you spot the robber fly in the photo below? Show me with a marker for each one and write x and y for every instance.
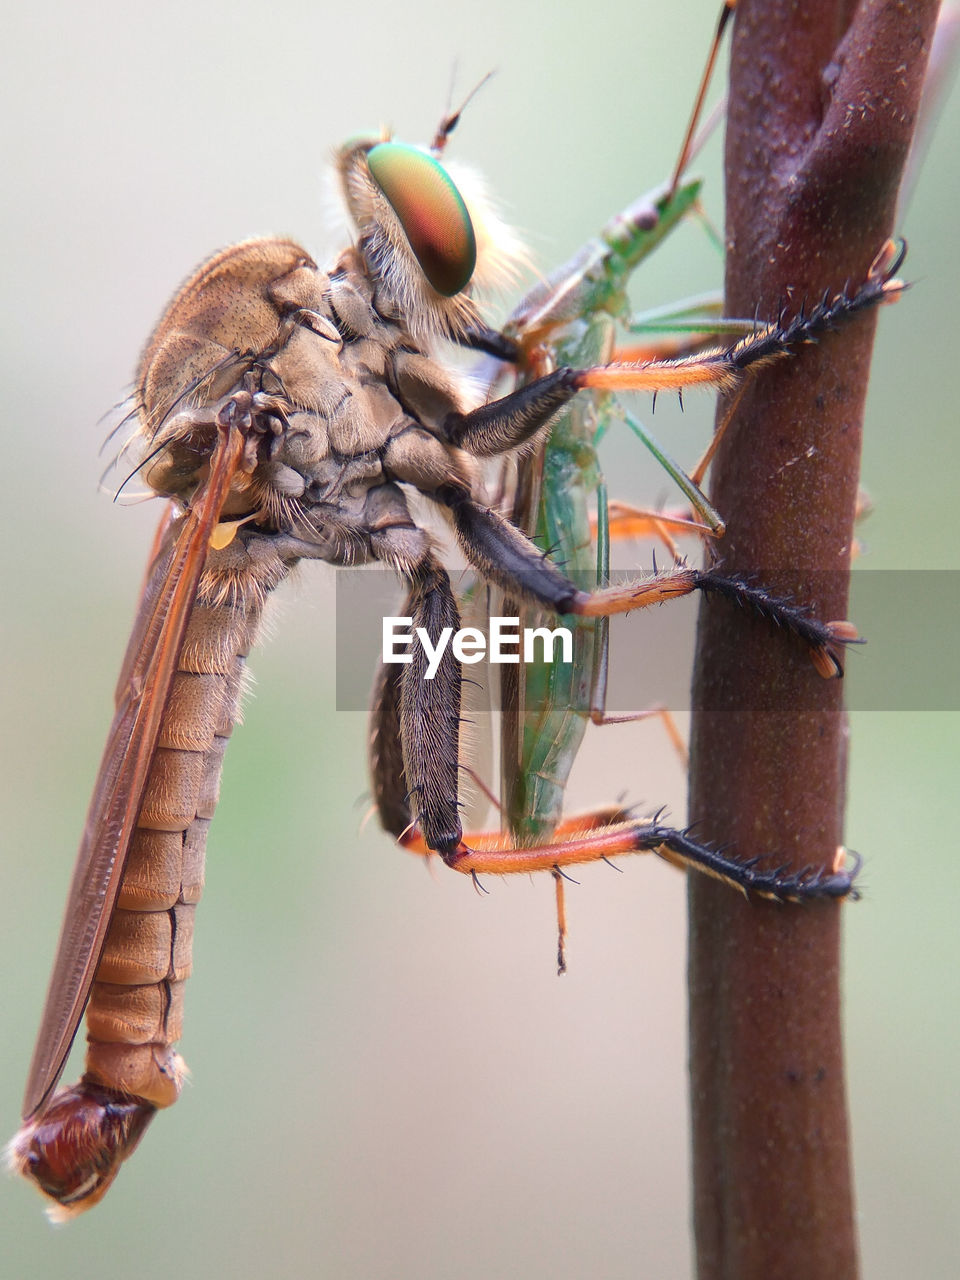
(288, 412)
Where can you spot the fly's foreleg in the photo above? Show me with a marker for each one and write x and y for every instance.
(729, 369)
(513, 420)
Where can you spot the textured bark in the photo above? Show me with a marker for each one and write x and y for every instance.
(822, 108)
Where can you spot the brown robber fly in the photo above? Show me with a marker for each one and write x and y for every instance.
(287, 413)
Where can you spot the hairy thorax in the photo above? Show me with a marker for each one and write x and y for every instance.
(347, 406)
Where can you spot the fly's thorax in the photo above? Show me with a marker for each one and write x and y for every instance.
(218, 335)
(234, 308)
(339, 398)
(261, 318)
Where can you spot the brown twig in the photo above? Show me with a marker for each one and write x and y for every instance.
(822, 108)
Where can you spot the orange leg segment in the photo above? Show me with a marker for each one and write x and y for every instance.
(612, 833)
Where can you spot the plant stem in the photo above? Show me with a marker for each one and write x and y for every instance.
(822, 107)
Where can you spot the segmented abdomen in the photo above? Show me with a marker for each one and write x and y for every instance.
(73, 1145)
(135, 1011)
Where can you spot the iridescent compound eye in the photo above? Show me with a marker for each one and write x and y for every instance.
(431, 211)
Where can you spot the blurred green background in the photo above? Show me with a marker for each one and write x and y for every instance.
(388, 1078)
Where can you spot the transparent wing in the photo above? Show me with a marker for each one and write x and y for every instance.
(148, 670)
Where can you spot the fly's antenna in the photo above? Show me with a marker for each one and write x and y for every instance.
(452, 118)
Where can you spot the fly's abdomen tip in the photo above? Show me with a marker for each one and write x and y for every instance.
(73, 1150)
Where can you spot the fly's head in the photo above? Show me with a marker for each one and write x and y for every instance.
(428, 236)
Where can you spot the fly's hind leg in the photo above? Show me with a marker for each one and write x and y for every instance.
(415, 765)
(613, 833)
(507, 557)
(415, 724)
